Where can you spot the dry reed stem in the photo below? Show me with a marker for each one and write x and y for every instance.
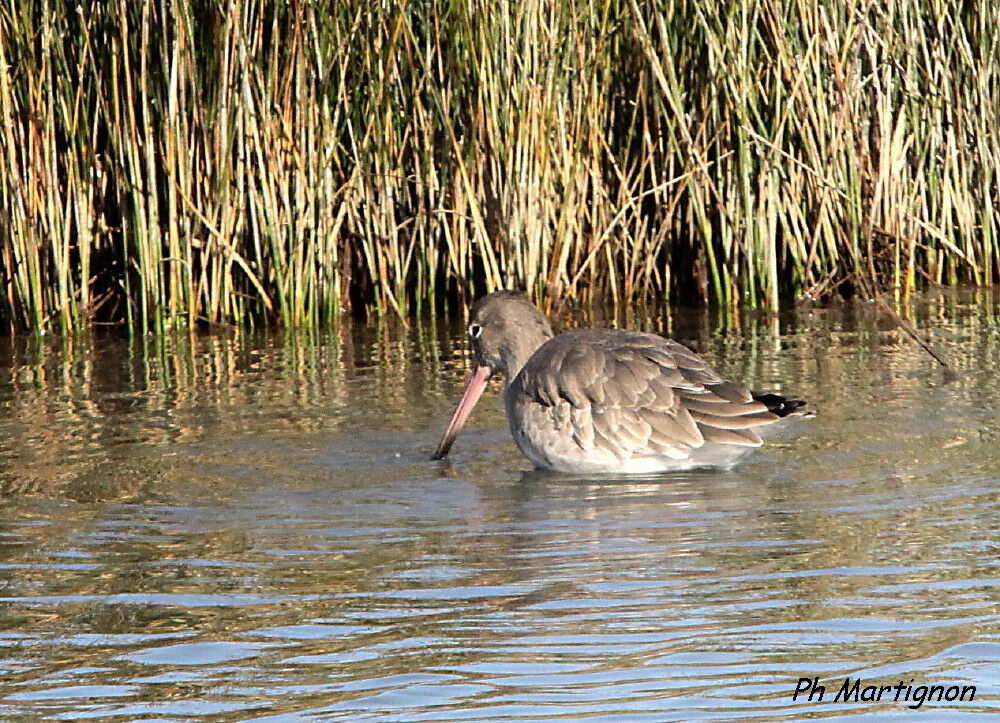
(240, 162)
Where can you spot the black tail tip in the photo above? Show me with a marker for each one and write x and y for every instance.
(779, 405)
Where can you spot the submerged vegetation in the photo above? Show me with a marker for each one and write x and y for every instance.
(268, 161)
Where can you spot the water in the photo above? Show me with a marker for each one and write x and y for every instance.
(248, 528)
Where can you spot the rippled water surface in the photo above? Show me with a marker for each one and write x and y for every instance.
(234, 527)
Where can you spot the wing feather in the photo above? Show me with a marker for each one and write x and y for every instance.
(744, 421)
(633, 394)
(740, 437)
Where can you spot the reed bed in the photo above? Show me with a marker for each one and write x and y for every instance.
(166, 162)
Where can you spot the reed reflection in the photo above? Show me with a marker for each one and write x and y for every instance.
(229, 521)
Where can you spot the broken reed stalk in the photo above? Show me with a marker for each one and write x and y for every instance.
(869, 290)
(264, 162)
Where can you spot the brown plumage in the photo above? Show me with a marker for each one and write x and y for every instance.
(601, 400)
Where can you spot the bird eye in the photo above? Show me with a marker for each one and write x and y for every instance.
(475, 330)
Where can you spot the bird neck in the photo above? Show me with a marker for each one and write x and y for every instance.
(517, 350)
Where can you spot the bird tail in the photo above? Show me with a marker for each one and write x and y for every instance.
(781, 406)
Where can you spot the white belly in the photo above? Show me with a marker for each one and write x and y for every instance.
(564, 455)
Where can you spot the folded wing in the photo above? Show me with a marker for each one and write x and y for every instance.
(634, 394)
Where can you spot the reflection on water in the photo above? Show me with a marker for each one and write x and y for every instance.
(248, 528)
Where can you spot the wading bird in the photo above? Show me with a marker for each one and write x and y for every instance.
(604, 400)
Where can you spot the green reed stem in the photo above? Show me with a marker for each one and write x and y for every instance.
(261, 162)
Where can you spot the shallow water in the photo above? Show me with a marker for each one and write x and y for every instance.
(248, 528)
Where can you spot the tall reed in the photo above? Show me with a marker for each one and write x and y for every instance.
(258, 161)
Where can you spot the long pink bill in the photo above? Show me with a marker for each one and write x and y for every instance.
(473, 389)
